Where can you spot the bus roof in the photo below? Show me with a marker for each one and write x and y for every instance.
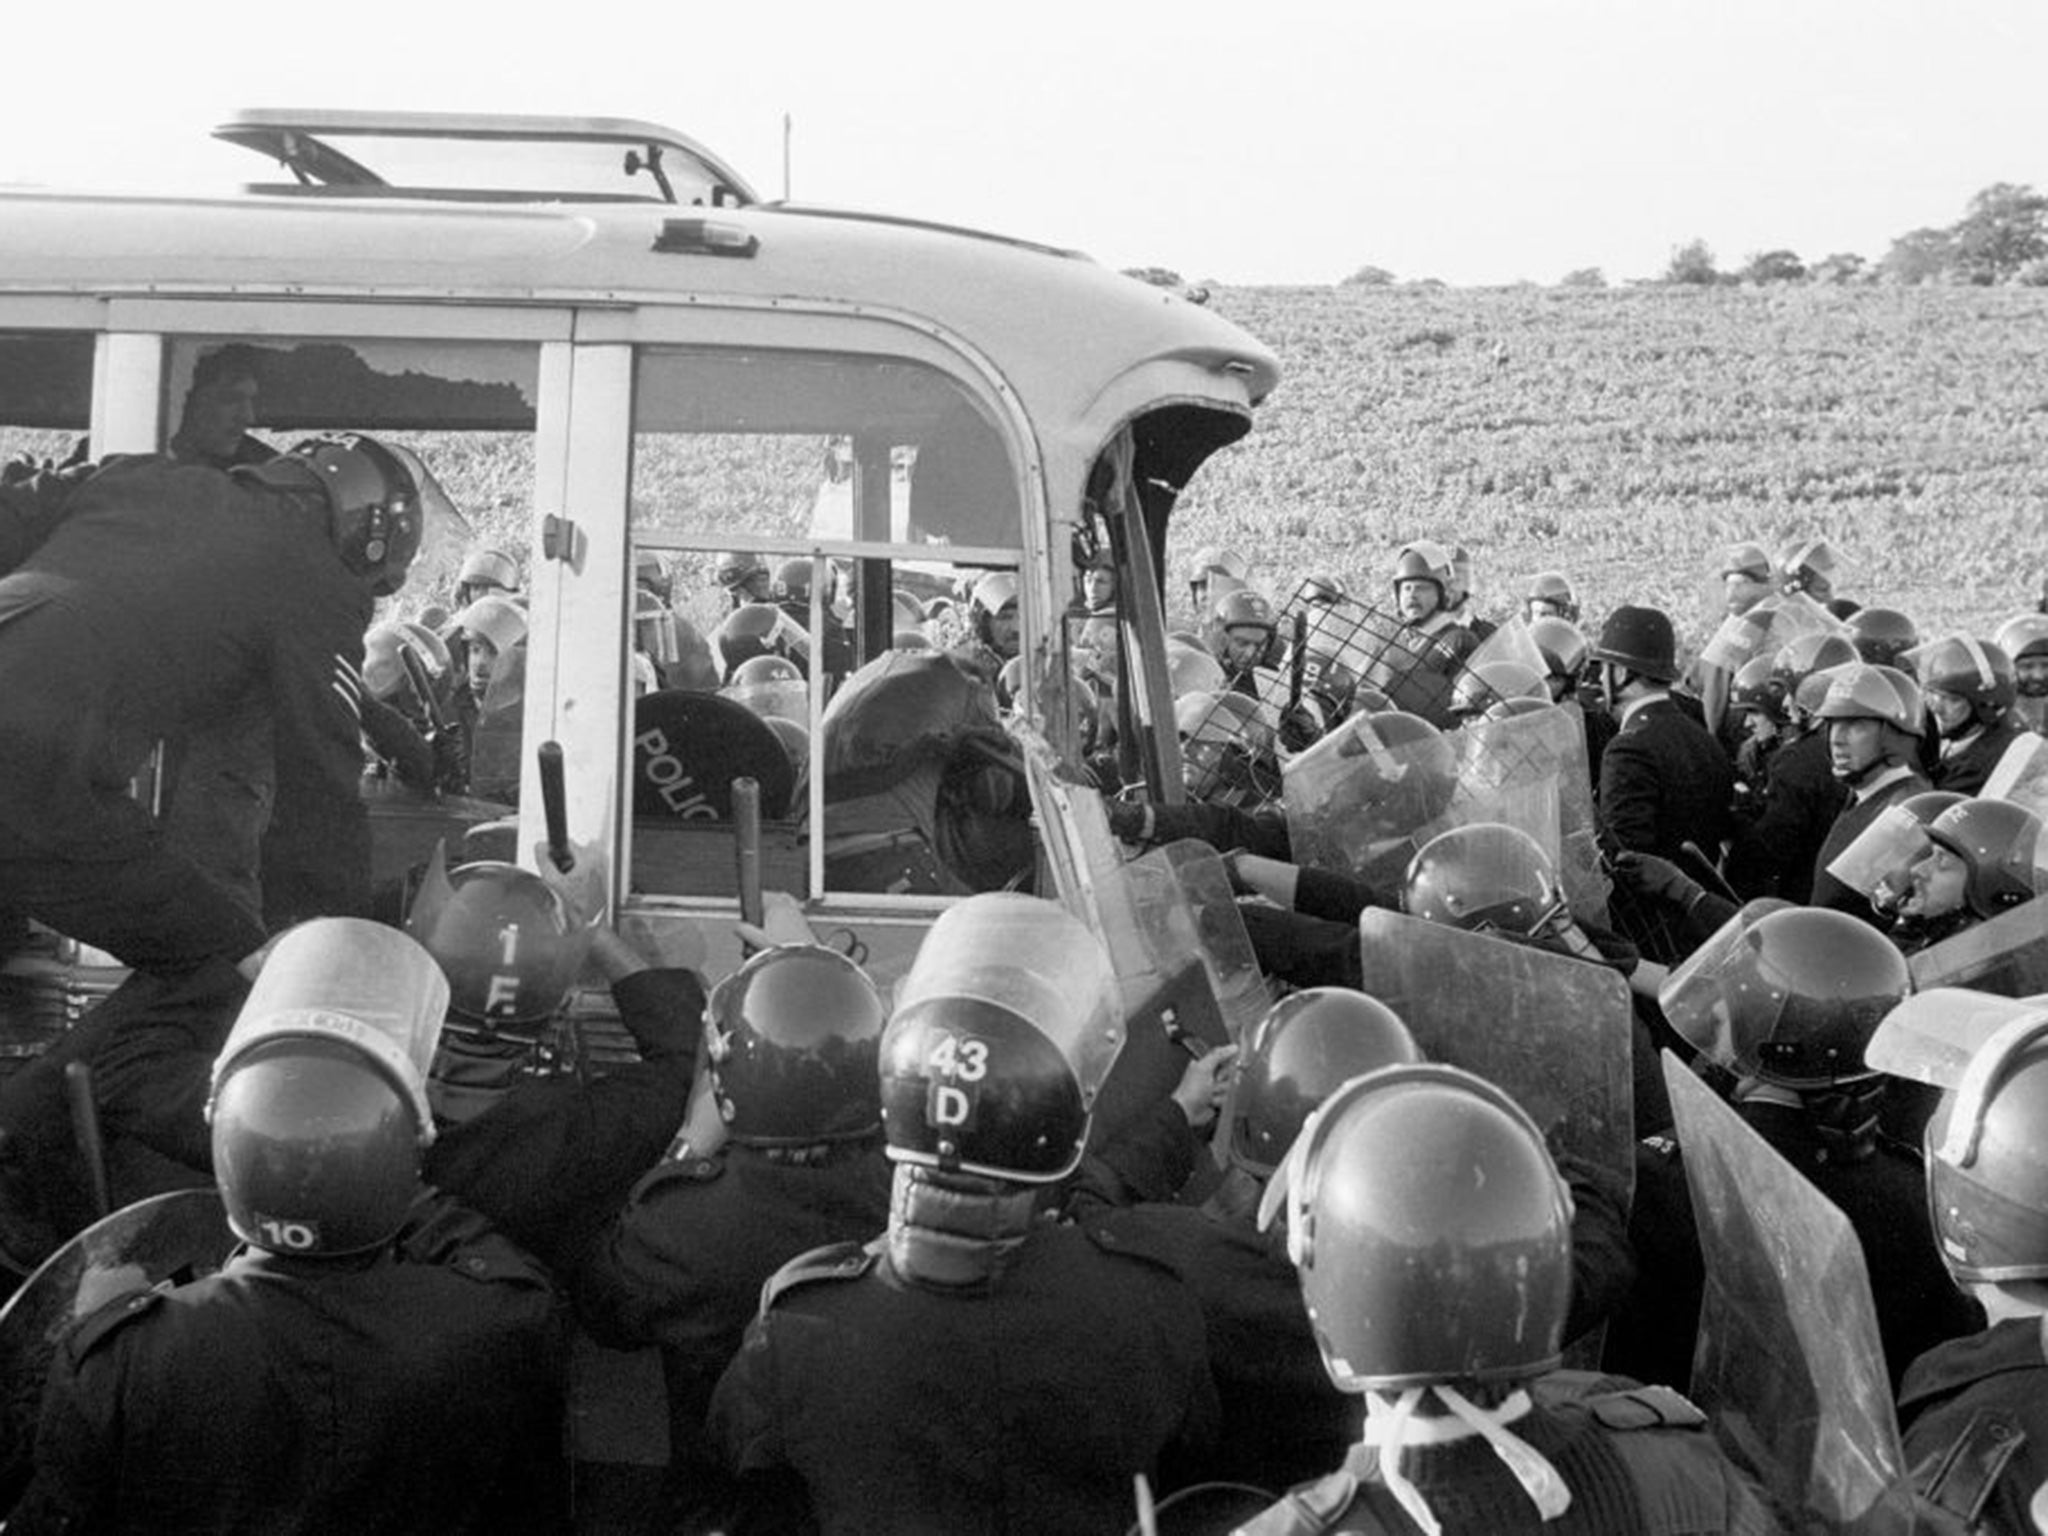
(1058, 326)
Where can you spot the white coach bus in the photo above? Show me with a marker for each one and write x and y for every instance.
(596, 332)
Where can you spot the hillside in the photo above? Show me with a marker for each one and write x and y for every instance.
(1623, 435)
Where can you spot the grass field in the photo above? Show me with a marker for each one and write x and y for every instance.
(1624, 435)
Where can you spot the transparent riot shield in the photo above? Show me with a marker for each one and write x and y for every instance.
(1766, 629)
(1416, 671)
(1530, 771)
(174, 1237)
(2006, 955)
(1510, 641)
(1361, 802)
(1788, 1366)
(1552, 1031)
(1183, 959)
(1931, 1035)
(2021, 775)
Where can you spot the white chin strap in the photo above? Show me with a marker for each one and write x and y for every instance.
(1391, 1425)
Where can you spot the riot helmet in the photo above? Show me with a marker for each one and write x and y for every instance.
(1803, 655)
(1205, 565)
(1746, 559)
(745, 576)
(1002, 1034)
(650, 575)
(793, 1039)
(1808, 565)
(1243, 629)
(1564, 649)
(1322, 588)
(1305, 1047)
(1549, 595)
(770, 686)
(2023, 635)
(507, 943)
(1479, 688)
(757, 629)
(375, 513)
(1486, 877)
(793, 581)
(318, 1107)
(1859, 691)
(486, 570)
(1999, 845)
(994, 612)
(1757, 689)
(1229, 743)
(1879, 860)
(1882, 635)
(1787, 994)
(1427, 562)
(1431, 1230)
(1967, 683)
(1987, 1158)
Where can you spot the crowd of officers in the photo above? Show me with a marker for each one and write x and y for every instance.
(899, 1278)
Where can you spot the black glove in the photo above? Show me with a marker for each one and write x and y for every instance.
(1126, 820)
(1648, 875)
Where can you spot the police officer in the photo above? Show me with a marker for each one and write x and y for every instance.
(793, 1036)
(169, 596)
(1982, 857)
(1874, 718)
(792, 591)
(526, 1134)
(375, 1358)
(1969, 688)
(1974, 1410)
(1549, 595)
(1773, 853)
(746, 578)
(2024, 638)
(219, 410)
(975, 1368)
(1664, 781)
(1432, 1235)
(1784, 1000)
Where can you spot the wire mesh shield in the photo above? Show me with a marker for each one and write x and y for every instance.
(1417, 672)
(1530, 771)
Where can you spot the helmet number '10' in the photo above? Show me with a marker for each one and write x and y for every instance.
(955, 1059)
(291, 1236)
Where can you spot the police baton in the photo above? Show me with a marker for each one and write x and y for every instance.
(423, 688)
(554, 808)
(746, 834)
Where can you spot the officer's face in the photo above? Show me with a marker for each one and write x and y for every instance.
(1243, 647)
(483, 656)
(217, 414)
(2032, 674)
(1741, 592)
(1854, 746)
(1002, 630)
(1416, 598)
(1544, 608)
(1950, 710)
(1098, 587)
(1938, 883)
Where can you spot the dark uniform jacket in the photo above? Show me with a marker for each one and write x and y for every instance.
(549, 1162)
(1638, 1463)
(684, 1264)
(1665, 782)
(166, 598)
(1022, 1407)
(1774, 854)
(1966, 769)
(1975, 1416)
(284, 1395)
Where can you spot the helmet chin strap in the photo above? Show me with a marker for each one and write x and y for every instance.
(1391, 1425)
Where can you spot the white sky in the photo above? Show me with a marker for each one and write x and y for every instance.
(1476, 141)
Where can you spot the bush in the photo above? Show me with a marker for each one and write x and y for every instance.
(1583, 277)
(1158, 277)
(1370, 277)
(1692, 263)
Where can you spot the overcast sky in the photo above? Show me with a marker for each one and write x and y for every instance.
(1476, 141)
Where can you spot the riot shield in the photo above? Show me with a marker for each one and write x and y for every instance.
(173, 1237)
(1931, 1035)
(1530, 771)
(1788, 1365)
(2006, 955)
(1766, 629)
(1360, 803)
(688, 748)
(1509, 641)
(2021, 775)
(1183, 960)
(1416, 671)
(1552, 1031)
